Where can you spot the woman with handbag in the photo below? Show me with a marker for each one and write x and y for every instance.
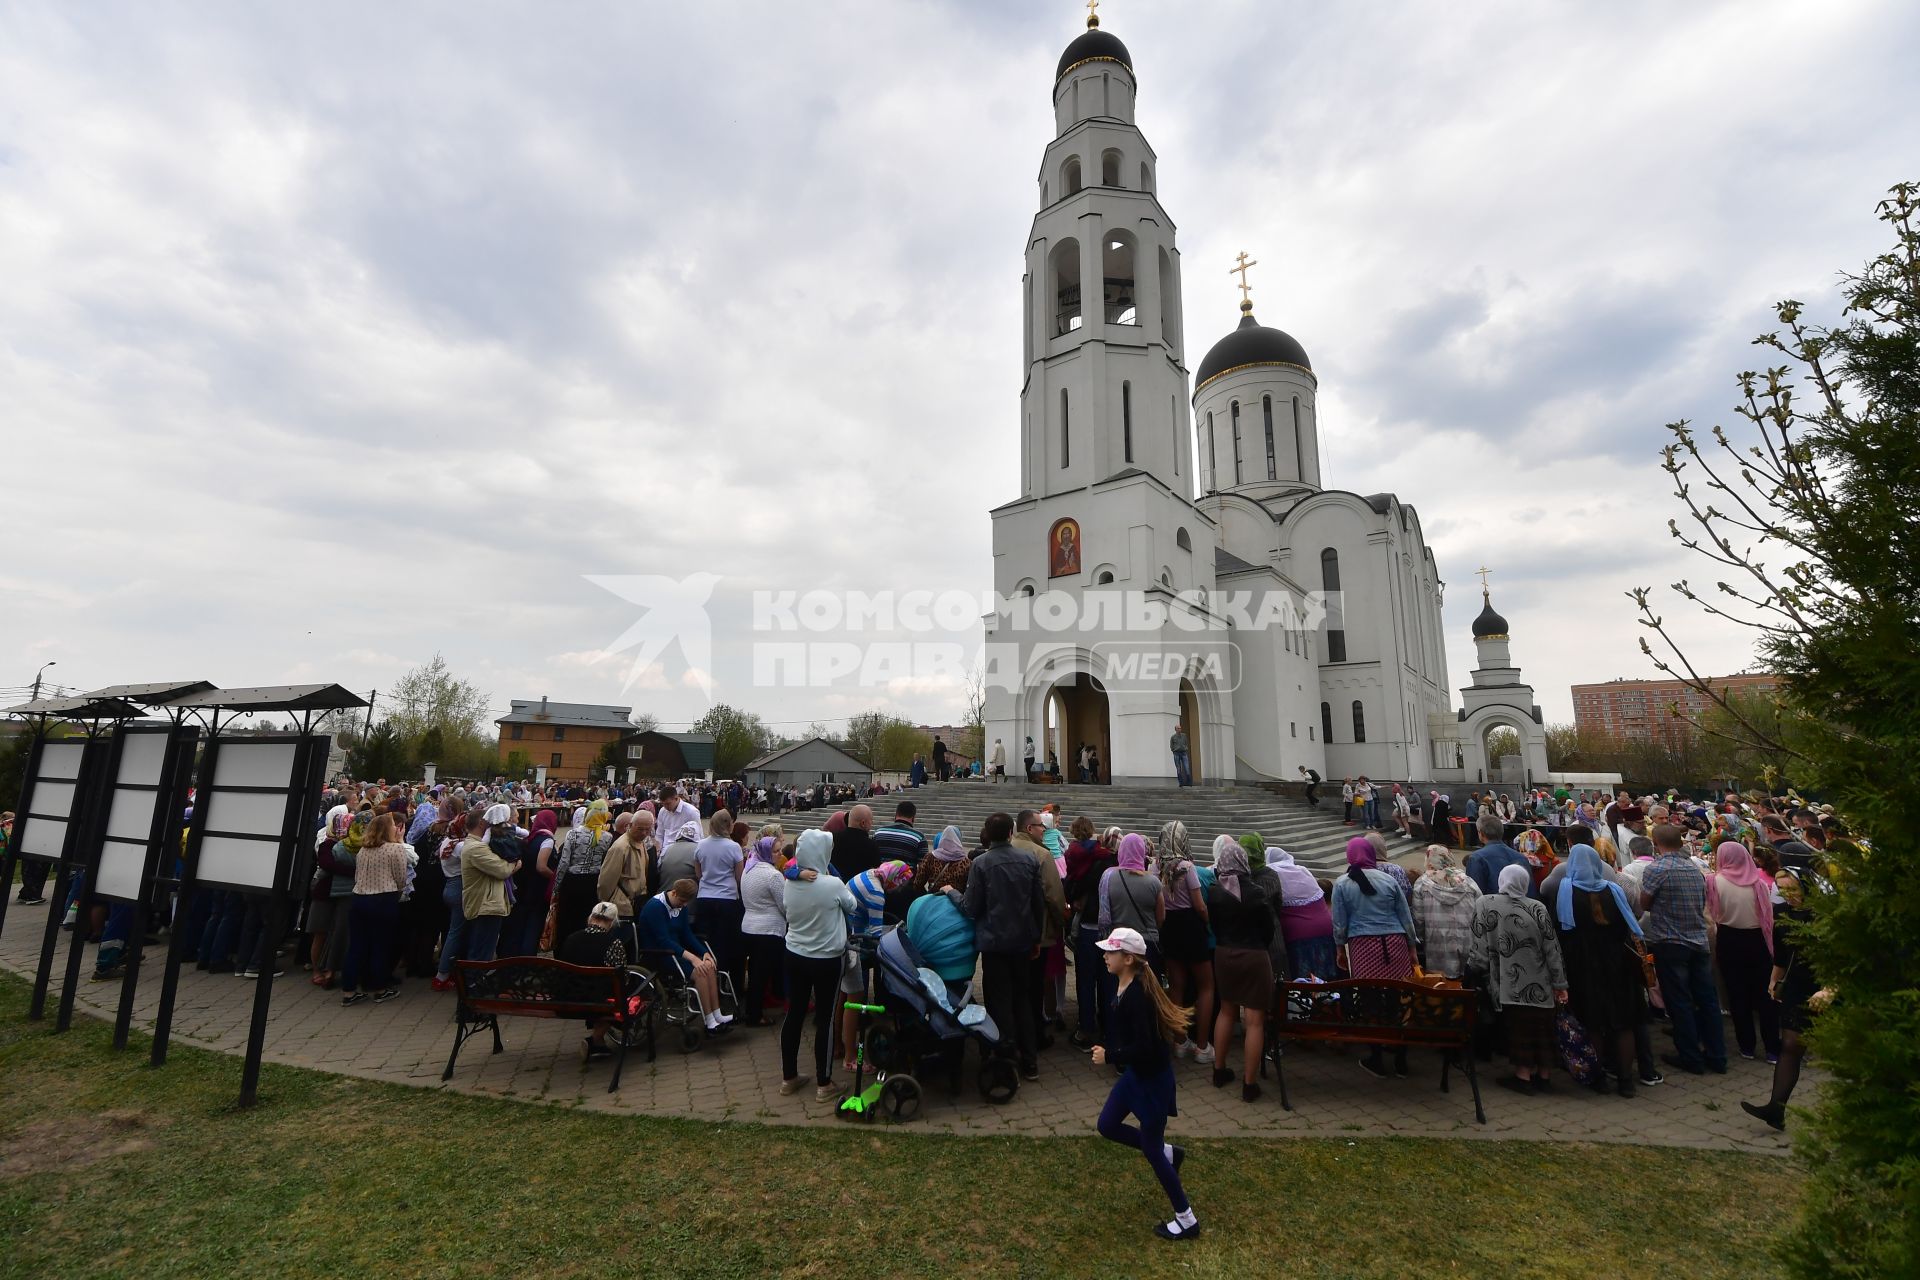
(1606, 978)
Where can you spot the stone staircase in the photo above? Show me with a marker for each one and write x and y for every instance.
(1315, 837)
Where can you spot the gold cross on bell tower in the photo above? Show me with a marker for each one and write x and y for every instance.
(1484, 573)
(1093, 19)
(1240, 269)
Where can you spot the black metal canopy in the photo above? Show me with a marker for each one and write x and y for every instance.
(87, 706)
(278, 697)
(158, 694)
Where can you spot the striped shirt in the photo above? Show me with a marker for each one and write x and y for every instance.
(1677, 901)
(869, 914)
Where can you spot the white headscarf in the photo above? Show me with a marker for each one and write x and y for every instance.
(1298, 888)
(1515, 880)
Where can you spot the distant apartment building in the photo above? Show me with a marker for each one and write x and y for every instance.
(1638, 710)
(564, 737)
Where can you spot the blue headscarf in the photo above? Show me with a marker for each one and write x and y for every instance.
(1583, 872)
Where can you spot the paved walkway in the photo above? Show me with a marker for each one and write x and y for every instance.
(406, 1041)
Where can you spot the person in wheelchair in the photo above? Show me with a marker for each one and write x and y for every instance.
(598, 946)
(666, 934)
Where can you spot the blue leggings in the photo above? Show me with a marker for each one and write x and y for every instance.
(1150, 1138)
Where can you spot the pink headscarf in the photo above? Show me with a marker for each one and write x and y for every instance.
(1733, 861)
(1133, 851)
(892, 875)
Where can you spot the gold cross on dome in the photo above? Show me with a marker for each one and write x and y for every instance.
(1484, 573)
(1093, 19)
(1240, 269)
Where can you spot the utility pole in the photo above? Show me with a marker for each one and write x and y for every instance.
(367, 731)
(36, 679)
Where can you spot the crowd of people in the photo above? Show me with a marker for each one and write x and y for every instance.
(1642, 912)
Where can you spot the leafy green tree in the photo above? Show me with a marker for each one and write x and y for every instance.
(430, 699)
(383, 754)
(738, 736)
(1810, 517)
(519, 764)
(13, 768)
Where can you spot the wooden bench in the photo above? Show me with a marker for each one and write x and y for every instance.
(540, 987)
(1374, 1011)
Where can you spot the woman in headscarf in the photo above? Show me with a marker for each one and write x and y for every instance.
(332, 898)
(1515, 946)
(1183, 939)
(1242, 969)
(533, 885)
(1797, 990)
(576, 880)
(1373, 922)
(935, 924)
(1088, 858)
(1605, 989)
(1443, 899)
(1740, 903)
(763, 928)
(1306, 922)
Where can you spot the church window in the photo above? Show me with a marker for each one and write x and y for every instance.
(1299, 446)
(1166, 579)
(1266, 407)
(1173, 416)
(1330, 570)
(1110, 169)
(1309, 733)
(1210, 463)
(1293, 728)
(1105, 579)
(1064, 271)
(1146, 177)
(1182, 541)
(1336, 645)
(1117, 280)
(1126, 420)
(1336, 616)
(1070, 176)
(1169, 313)
(1359, 721)
(1063, 428)
(1234, 409)
(1326, 722)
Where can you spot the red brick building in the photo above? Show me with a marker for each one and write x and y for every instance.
(1636, 710)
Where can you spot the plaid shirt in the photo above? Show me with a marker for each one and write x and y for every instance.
(1677, 906)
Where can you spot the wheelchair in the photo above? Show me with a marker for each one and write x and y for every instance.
(677, 1001)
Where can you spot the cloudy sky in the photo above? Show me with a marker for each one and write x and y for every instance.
(335, 335)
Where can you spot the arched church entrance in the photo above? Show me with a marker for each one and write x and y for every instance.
(1077, 716)
(1190, 725)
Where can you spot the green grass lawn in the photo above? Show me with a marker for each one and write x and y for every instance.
(110, 1168)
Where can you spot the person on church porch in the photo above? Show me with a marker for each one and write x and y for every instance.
(1027, 774)
(1313, 786)
(1182, 757)
(1346, 801)
(999, 760)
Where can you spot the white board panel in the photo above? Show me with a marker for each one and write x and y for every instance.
(255, 764)
(54, 799)
(141, 755)
(120, 868)
(131, 817)
(61, 760)
(44, 837)
(251, 813)
(248, 863)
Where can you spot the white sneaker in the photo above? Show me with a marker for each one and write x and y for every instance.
(1204, 1057)
(1185, 1049)
(723, 1018)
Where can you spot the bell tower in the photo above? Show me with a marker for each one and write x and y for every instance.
(1105, 386)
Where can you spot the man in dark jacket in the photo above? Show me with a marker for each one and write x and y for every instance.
(853, 847)
(1008, 907)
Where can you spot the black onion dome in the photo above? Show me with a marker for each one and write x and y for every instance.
(1488, 623)
(1251, 343)
(1093, 45)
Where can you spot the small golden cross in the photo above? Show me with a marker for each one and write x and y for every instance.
(1240, 269)
(1484, 573)
(1093, 19)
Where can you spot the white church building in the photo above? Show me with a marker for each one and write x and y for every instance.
(1302, 624)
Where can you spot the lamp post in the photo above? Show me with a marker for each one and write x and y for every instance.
(36, 678)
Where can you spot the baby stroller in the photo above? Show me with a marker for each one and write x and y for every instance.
(926, 1032)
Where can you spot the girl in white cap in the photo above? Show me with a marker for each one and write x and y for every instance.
(1142, 1026)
